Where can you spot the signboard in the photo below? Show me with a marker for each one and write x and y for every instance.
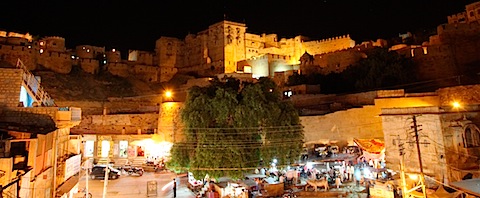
(72, 166)
(152, 188)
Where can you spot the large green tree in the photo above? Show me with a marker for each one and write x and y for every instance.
(234, 127)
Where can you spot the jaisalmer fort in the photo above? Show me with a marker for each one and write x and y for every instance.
(53, 137)
(226, 47)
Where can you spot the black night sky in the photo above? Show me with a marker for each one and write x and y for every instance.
(137, 24)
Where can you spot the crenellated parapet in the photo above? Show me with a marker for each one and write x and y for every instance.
(113, 56)
(52, 43)
(329, 45)
(121, 69)
(11, 53)
(89, 65)
(457, 18)
(89, 51)
(457, 31)
(59, 62)
(141, 57)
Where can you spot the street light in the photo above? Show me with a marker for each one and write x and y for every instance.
(168, 94)
(456, 105)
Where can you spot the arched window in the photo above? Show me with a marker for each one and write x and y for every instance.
(471, 136)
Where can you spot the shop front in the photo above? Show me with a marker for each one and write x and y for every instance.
(120, 149)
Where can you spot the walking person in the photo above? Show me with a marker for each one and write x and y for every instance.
(174, 188)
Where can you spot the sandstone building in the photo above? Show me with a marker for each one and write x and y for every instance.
(38, 156)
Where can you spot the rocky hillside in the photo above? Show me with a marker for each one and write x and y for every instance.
(79, 85)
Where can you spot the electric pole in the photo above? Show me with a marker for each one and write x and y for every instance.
(105, 181)
(422, 176)
(402, 166)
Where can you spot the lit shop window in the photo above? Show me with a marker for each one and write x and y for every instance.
(105, 148)
(89, 147)
(123, 146)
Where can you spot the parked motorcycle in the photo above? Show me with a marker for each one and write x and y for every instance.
(133, 170)
(160, 167)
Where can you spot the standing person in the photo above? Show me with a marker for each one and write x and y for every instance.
(174, 188)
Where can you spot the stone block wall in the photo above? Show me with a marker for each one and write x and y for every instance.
(90, 65)
(117, 124)
(329, 45)
(147, 104)
(357, 99)
(343, 126)
(11, 54)
(56, 61)
(397, 123)
(10, 83)
(36, 116)
(170, 123)
(466, 95)
(118, 69)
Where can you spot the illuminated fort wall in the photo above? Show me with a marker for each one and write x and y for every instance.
(225, 47)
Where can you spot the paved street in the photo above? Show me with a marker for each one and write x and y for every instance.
(136, 186)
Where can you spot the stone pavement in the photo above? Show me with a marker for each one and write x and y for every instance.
(182, 190)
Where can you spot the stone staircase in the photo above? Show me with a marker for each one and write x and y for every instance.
(33, 87)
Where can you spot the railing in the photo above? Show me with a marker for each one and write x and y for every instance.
(33, 87)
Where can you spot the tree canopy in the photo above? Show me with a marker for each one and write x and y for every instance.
(233, 127)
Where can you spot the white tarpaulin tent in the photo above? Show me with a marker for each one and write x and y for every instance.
(470, 186)
(442, 193)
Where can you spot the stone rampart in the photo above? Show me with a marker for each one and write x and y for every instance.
(54, 43)
(336, 61)
(148, 73)
(113, 56)
(17, 41)
(167, 73)
(11, 54)
(357, 99)
(147, 104)
(118, 124)
(329, 45)
(58, 62)
(118, 69)
(466, 95)
(89, 65)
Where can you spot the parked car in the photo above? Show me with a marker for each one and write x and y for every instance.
(304, 153)
(334, 149)
(321, 150)
(352, 150)
(98, 171)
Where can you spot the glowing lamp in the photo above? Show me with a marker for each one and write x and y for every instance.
(168, 94)
(413, 177)
(456, 104)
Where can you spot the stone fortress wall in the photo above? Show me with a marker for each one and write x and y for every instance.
(227, 47)
(448, 53)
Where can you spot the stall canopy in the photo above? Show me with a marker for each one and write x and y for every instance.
(371, 148)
